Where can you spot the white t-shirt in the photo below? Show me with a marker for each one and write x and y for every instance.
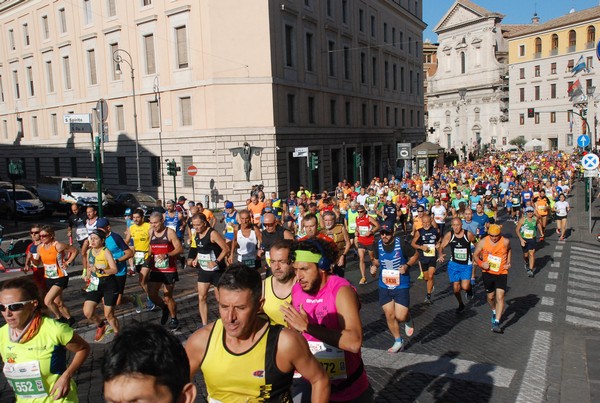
(360, 199)
(439, 214)
(561, 208)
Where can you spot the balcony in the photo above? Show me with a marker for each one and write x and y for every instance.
(590, 45)
(571, 49)
(553, 52)
(537, 55)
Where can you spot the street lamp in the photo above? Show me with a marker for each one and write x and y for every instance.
(462, 92)
(156, 90)
(590, 90)
(118, 58)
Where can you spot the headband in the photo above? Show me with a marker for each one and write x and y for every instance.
(308, 256)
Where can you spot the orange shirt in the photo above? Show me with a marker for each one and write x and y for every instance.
(496, 255)
(541, 206)
(52, 261)
(256, 210)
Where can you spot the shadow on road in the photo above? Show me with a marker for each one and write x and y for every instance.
(518, 307)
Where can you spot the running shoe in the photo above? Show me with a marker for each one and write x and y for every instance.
(469, 295)
(165, 315)
(420, 276)
(460, 308)
(174, 324)
(100, 332)
(72, 322)
(496, 327)
(150, 306)
(136, 300)
(493, 318)
(363, 280)
(428, 300)
(398, 346)
(530, 273)
(409, 328)
(109, 329)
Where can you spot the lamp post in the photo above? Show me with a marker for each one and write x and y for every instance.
(591, 104)
(118, 58)
(462, 92)
(156, 90)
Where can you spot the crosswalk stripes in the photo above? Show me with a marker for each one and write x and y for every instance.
(583, 301)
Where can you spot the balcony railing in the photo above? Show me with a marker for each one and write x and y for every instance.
(553, 52)
(590, 45)
(571, 49)
(537, 55)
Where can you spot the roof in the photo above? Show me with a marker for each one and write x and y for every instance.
(566, 20)
(514, 29)
(477, 11)
(427, 146)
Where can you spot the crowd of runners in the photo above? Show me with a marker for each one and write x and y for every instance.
(286, 311)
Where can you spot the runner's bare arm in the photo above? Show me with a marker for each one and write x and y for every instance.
(177, 246)
(219, 240)
(195, 348)
(80, 349)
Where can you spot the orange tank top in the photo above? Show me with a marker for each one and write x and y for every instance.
(52, 260)
(496, 255)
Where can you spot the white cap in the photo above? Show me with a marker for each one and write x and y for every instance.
(488, 192)
(389, 198)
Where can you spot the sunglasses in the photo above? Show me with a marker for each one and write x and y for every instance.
(15, 306)
(385, 233)
(44, 235)
(34, 232)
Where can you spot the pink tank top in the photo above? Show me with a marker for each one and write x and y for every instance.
(321, 310)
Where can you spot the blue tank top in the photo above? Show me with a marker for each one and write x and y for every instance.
(174, 223)
(389, 263)
(230, 222)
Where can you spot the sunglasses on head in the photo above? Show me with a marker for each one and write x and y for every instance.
(15, 306)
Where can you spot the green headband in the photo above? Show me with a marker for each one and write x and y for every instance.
(308, 256)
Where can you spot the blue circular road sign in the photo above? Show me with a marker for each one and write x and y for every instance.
(583, 140)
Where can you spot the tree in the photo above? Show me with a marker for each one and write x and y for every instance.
(518, 141)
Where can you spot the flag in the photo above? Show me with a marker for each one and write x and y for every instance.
(574, 90)
(580, 66)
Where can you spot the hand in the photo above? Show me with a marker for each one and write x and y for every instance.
(229, 259)
(61, 387)
(195, 262)
(340, 261)
(212, 264)
(522, 243)
(485, 265)
(402, 269)
(441, 258)
(295, 320)
(373, 270)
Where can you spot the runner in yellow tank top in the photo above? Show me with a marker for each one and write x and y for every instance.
(139, 231)
(278, 287)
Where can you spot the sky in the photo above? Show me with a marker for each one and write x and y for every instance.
(516, 11)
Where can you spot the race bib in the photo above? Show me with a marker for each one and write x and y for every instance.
(172, 226)
(352, 227)
(527, 233)
(204, 259)
(162, 262)
(404, 210)
(139, 258)
(229, 229)
(430, 252)
(460, 253)
(515, 200)
(390, 277)
(51, 270)
(331, 358)
(81, 233)
(93, 285)
(25, 379)
(494, 262)
(363, 230)
(438, 218)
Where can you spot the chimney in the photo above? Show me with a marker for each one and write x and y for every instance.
(535, 20)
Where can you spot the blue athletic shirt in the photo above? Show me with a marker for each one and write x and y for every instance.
(392, 261)
(117, 247)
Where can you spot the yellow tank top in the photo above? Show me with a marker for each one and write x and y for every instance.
(273, 302)
(141, 239)
(249, 376)
(99, 261)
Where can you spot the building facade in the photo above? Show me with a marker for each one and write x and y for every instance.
(227, 86)
(542, 61)
(467, 97)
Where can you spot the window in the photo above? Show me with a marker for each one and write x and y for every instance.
(11, 39)
(589, 62)
(419, 83)
(149, 54)
(521, 94)
(122, 169)
(361, 20)
(16, 83)
(185, 105)
(91, 53)
(412, 118)
(309, 49)
(345, 11)
(386, 74)
(536, 71)
(289, 46)
(552, 117)
(537, 92)
(331, 58)
(396, 117)
(62, 20)
(112, 49)
(537, 118)
(410, 44)
(291, 108)
(538, 47)
(521, 119)
(375, 115)
(572, 41)
(463, 63)
(34, 126)
(45, 27)
(570, 65)
(49, 77)
(182, 49)
(54, 124)
(521, 50)
(552, 91)
(410, 81)
(155, 170)
(393, 36)
(364, 114)
(329, 8)
(1, 90)
(402, 79)
(522, 73)
(67, 72)
(591, 37)
(26, 35)
(311, 110)
(387, 115)
(332, 112)
(401, 40)
(394, 77)
(588, 84)
(57, 166)
(374, 72)
(154, 114)
(111, 8)
(119, 117)
(554, 42)
(87, 12)
(403, 117)
(5, 128)
(346, 63)
(146, 2)
(74, 166)
(553, 68)
(373, 28)
(30, 81)
(348, 110)
(363, 67)
(385, 32)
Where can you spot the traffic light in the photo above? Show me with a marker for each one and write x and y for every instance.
(15, 169)
(358, 162)
(530, 112)
(172, 168)
(584, 113)
(314, 161)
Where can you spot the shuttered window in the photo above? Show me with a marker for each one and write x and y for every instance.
(92, 66)
(182, 50)
(149, 49)
(186, 111)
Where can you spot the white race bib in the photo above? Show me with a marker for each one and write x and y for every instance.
(494, 262)
(205, 258)
(139, 258)
(51, 270)
(460, 253)
(331, 358)
(430, 252)
(81, 233)
(25, 379)
(390, 277)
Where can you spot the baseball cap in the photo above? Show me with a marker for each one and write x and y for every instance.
(488, 193)
(229, 205)
(182, 198)
(494, 229)
(529, 209)
(102, 223)
(386, 228)
(170, 201)
(128, 211)
(389, 198)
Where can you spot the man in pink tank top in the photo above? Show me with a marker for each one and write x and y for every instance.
(325, 308)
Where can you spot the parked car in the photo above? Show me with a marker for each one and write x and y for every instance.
(58, 193)
(133, 200)
(28, 205)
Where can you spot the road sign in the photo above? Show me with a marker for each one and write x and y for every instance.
(590, 161)
(102, 106)
(591, 173)
(192, 170)
(300, 152)
(583, 140)
(404, 151)
(77, 118)
(80, 128)
(598, 50)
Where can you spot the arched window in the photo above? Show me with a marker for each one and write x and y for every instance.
(538, 47)
(591, 36)
(572, 40)
(554, 43)
(463, 63)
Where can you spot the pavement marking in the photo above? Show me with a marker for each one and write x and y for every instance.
(465, 370)
(559, 247)
(550, 288)
(582, 285)
(545, 317)
(582, 311)
(552, 275)
(584, 271)
(555, 264)
(576, 261)
(584, 302)
(557, 254)
(548, 301)
(576, 320)
(533, 386)
(586, 250)
(586, 294)
(584, 278)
